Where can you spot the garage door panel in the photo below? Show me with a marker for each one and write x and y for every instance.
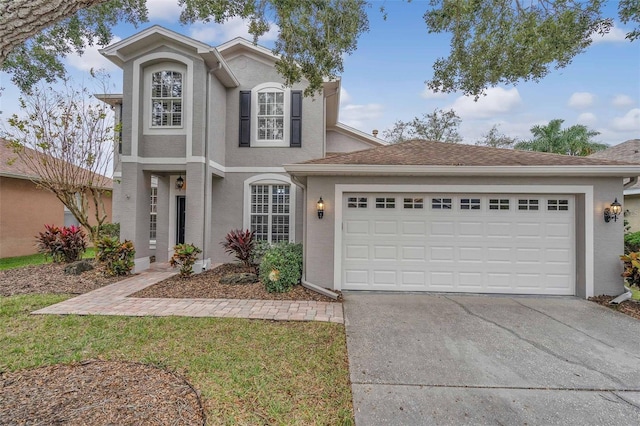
(441, 228)
(385, 253)
(356, 227)
(504, 250)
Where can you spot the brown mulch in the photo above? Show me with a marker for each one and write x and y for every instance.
(628, 307)
(207, 286)
(50, 279)
(98, 393)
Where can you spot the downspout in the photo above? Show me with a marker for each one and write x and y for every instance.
(627, 294)
(303, 281)
(206, 169)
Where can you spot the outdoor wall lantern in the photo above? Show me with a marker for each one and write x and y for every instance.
(320, 208)
(179, 182)
(613, 211)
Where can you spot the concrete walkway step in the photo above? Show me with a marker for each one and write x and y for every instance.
(113, 300)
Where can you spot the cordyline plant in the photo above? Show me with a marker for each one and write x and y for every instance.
(184, 256)
(631, 271)
(65, 244)
(64, 142)
(240, 244)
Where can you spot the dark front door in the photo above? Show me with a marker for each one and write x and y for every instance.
(181, 203)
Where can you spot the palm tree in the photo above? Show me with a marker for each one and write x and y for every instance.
(575, 140)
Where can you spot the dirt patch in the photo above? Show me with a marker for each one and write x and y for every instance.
(50, 279)
(207, 286)
(98, 393)
(628, 307)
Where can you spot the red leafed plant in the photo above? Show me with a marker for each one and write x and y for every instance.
(65, 244)
(240, 244)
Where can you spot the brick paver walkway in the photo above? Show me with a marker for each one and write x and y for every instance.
(113, 300)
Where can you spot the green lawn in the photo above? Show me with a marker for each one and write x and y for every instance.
(248, 371)
(34, 259)
(636, 293)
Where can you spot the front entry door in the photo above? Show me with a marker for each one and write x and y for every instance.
(181, 217)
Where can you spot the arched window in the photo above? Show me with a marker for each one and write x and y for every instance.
(166, 99)
(270, 207)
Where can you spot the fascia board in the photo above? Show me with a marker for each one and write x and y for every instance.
(632, 191)
(398, 170)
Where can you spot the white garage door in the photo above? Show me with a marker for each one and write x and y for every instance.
(479, 243)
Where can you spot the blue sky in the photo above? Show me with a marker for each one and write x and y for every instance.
(384, 79)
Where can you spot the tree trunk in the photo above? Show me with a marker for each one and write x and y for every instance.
(21, 19)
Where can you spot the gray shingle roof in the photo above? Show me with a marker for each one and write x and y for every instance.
(431, 153)
(628, 151)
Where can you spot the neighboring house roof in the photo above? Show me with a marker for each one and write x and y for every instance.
(628, 151)
(11, 166)
(429, 157)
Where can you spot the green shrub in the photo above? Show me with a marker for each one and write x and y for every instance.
(632, 242)
(259, 250)
(281, 267)
(116, 257)
(631, 271)
(64, 244)
(109, 230)
(185, 256)
(241, 244)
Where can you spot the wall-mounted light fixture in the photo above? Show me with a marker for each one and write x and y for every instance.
(320, 208)
(179, 182)
(613, 211)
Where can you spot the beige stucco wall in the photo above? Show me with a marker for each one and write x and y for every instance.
(632, 205)
(24, 210)
(606, 267)
(339, 142)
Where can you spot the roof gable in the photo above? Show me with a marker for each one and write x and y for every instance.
(628, 151)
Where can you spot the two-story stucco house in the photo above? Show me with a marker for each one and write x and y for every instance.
(231, 147)
(213, 126)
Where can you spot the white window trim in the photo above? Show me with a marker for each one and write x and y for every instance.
(270, 179)
(270, 87)
(585, 190)
(148, 72)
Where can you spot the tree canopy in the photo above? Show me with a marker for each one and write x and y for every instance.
(496, 139)
(505, 41)
(492, 41)
(313, 35)
(575, 140)
(438, 125)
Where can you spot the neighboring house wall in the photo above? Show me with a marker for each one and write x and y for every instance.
(632, 206)
(607, 236)
(338, 142)
(25, 209)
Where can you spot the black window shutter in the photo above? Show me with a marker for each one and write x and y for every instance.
(245, 118)
(296, 119)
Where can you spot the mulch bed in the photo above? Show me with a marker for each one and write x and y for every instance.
(629, 307)
(50, 279)
(98, 393)
(207, 286)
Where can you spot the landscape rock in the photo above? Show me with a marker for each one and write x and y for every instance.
(239, 278)
(77, 268)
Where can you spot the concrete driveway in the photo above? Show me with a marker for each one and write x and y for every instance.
(420, 359)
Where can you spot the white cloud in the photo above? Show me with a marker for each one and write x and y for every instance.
(629, 122)
(427, 93)
(616, 35)
(362, 117)
(163, 10)
(622, 101)
(91, 59)
(581, 100)
(496, 101)
(587, 118)
(345, 97)
(234, 27)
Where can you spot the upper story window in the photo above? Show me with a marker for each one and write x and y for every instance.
(166, 99)
(270, 116)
